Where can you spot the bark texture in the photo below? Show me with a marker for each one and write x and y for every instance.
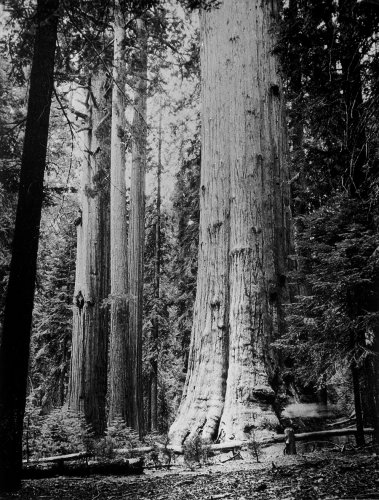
(88, 374)
(119, 232)
(137, 231)
(244, 228)
(15, 338)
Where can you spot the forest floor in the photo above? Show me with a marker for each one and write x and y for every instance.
(306, 476)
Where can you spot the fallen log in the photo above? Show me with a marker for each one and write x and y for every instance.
(125, 467)
(59, 458)
(227, 446)
(349, 431)
(141, 449)
(348, 420)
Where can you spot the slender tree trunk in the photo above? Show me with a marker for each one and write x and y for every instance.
(137, 232)
(119, 356)
(63, 373)
(376, 386)
(157, 272)
(244, 222)
(15, 338)
(88, 376)
(360, 435)
(355, 133)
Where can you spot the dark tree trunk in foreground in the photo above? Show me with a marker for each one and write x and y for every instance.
(360, 435)
(88, 374)
(244, 228)
(137, 232)
(15, 339)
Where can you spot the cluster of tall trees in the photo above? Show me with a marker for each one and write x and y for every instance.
(257, 284)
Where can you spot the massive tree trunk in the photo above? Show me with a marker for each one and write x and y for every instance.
(15, 338)
(88, 375)
(137, 231)
(119, 232)
(244, 233)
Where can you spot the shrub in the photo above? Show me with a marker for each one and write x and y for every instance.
(118, 435)
(60, 432)
(254, 447)
(196, 450)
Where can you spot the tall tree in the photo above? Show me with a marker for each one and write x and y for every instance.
(137, 229)
(15, 338)
(88, 375)
(157, 273)
(244, 222)
(119, 265)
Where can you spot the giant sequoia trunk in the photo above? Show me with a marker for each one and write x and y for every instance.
(88, 375)
(119, 265)
(231, 379)
(15, 338)
(137, 231)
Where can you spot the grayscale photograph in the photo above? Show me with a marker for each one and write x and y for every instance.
(189, 249)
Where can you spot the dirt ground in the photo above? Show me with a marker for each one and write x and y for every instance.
(306, 476)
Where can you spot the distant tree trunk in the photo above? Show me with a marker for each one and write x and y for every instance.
(376, 387)
(360, 435)
(355, 133)
(119, 233)
(244, 225)
(15, 338)
(157, 272)
(88, 375)
(63, 373)
(137, 232)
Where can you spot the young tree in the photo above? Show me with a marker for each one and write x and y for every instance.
(15, 338)
(244, 227)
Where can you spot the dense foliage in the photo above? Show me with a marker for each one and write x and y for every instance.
(330, 63)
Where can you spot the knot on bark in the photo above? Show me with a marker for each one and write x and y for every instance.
(275, 90)
(79, 300)
(78, 220)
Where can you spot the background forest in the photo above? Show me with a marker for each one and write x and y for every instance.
(113, 253)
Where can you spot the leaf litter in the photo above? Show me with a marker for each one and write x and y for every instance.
(319, 475)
